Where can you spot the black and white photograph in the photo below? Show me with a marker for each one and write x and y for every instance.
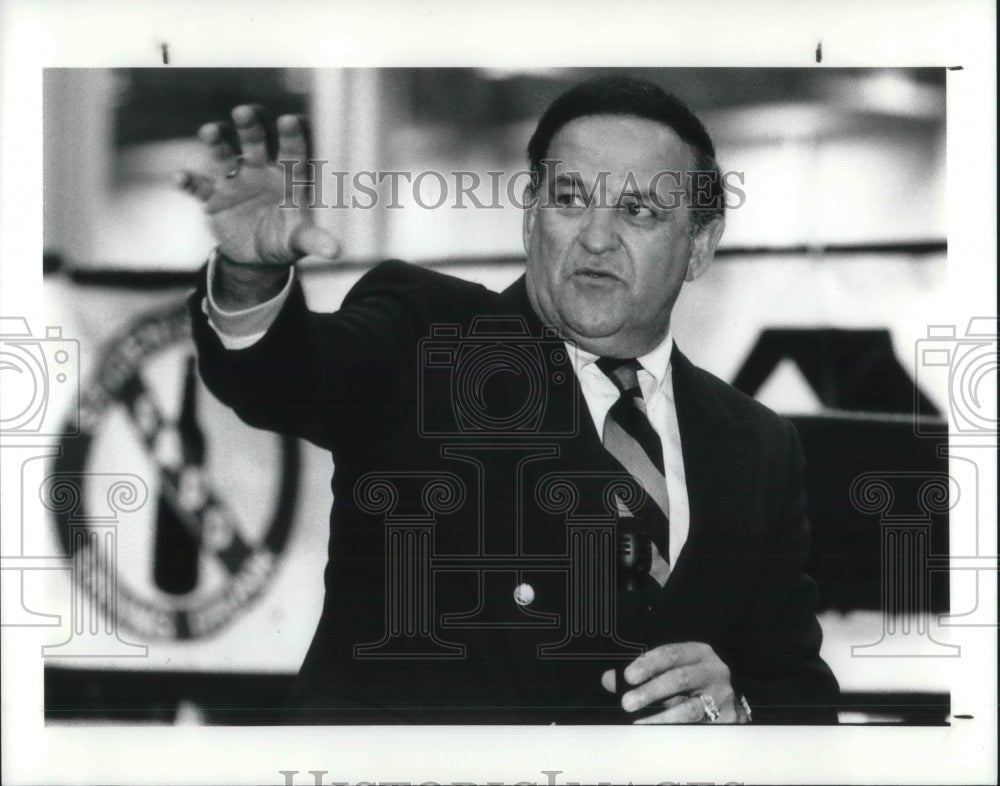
(412, 414)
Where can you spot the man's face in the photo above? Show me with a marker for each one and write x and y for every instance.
(607, 254)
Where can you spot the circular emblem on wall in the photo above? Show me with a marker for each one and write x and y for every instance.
(222, 494)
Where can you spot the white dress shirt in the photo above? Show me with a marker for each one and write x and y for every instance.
(243, 328)
(657, 385)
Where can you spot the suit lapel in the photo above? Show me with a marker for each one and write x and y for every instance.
(720, 456)
(580, 448)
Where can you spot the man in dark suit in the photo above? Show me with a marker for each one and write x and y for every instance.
(543, 512)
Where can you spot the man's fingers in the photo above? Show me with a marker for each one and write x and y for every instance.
(688, 709)
(310, 240)
(223, 153)
(673, 701)
(292, 145)
(608, 682)
(251, 133)
(681, 680)
(660, 659)
(197, 185)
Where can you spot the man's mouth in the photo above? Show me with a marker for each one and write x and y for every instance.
(595, 274)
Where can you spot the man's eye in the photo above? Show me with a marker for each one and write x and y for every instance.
(637, 209)
(568, 199)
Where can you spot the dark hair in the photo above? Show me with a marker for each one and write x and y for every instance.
(622, 95)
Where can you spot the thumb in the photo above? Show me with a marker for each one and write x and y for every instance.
(313, 241)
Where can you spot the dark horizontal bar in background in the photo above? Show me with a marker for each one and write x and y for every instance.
(165, 279)
(918, 248)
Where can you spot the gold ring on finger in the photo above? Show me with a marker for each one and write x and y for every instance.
(236, 169)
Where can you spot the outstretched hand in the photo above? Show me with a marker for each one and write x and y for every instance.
(257, 212)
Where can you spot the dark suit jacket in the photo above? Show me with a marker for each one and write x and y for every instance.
(467, 464)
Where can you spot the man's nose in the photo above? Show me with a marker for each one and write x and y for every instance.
(599, 233)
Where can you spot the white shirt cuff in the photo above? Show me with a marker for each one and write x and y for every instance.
(245, 327)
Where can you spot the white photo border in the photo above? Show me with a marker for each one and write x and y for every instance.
(869, 33)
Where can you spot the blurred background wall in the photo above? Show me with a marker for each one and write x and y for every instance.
(826, 279)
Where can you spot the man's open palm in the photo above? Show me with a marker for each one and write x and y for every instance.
(256, 214)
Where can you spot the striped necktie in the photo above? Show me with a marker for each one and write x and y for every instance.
(630, 438)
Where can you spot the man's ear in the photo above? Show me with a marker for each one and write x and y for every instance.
(703, 247)
(530, 204)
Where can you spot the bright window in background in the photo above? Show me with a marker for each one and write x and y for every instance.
(827, 156)
(830, 156)
(114, 139)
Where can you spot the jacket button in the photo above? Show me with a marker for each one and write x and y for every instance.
(524, 594)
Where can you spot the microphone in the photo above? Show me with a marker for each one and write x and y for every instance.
(635, 557)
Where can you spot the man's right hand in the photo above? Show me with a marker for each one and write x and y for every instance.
(261, 227)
